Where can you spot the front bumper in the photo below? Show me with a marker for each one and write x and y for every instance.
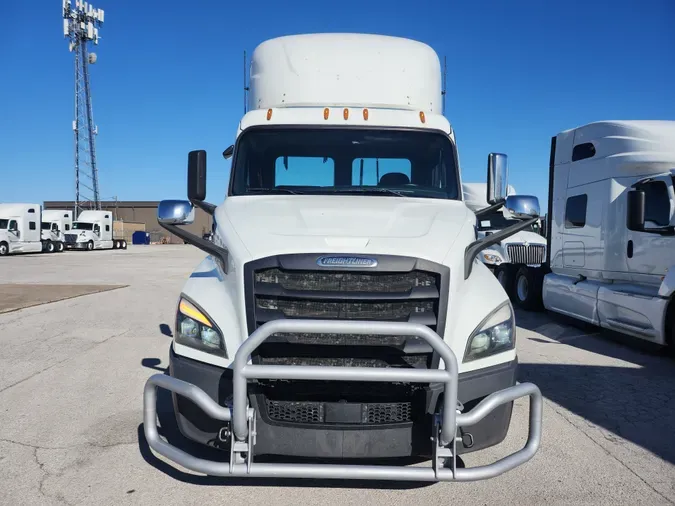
(207, 388)
(75, 245)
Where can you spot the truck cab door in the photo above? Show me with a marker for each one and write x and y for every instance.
(13, 231)
(97, 230)
(649, 254)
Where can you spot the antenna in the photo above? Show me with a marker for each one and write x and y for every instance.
(80, 26)
(445, 81)
(245, 84)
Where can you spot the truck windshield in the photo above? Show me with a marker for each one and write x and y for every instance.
(497, 221)
(4, 224)
(328, 161)
(46, 226)
(81, 225)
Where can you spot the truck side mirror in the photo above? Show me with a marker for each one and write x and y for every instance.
(522, 207)
(175, 212)
(635, 213)
(197, 175)
(497, 173)
(228, 152)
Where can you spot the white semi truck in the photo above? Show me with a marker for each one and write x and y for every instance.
(20, 229)
(94, 230)
(55, 223)
(516, 261)
(611, 228)
(342, 310)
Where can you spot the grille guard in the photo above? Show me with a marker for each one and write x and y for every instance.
(242, 417)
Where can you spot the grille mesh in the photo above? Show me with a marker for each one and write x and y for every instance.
(346, 281)
(307, 412)
(353, 310)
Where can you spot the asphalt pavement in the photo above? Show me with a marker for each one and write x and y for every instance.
(72, 374)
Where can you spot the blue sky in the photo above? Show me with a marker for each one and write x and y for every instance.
(169, 79)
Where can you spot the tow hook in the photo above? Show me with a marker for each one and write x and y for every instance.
(467, 439)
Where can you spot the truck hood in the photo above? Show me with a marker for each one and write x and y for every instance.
(269, 225)
(525, 237)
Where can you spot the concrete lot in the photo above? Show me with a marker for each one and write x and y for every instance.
(72, 374)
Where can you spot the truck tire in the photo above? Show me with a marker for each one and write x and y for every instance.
(124, 244)
(527, 289)
(60, 247)
(670, 329)
(504, 275)
(116, 244)
(90, 245)
(49, 247)
(4, 249)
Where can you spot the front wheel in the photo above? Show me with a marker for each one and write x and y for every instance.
(527, 289)
(504, 275)
(90, 245)
(4, 249)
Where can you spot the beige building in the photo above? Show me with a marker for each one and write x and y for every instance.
(142, 215)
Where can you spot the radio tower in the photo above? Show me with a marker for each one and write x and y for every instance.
(80, 25)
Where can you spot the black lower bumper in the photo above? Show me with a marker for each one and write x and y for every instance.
(396, 441)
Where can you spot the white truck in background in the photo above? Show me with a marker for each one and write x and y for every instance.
(94, 230)
(516, 261)
(55, 223)
(343, 253)
(20, 229)
(611, 228)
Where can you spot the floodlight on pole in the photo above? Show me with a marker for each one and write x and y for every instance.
(81, 24)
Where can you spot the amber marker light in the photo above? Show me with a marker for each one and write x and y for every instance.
(325, 113)
(365, 114)
(269, 114)
(422, 118)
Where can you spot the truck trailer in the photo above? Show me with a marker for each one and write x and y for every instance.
(55, 223)
(20, 230)
(94, 230)
(342, 311)
(611, 228)
(516, 261)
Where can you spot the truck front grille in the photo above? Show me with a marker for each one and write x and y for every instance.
(399, 289)
(532, 254)
(70, 238)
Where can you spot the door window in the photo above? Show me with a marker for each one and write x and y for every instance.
(575, 211)
(657, 203)
(13, 226)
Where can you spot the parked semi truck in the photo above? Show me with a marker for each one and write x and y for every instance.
(342, 310)
(20, 230)
(94, 230)
(55, 223)
(516, 261)
(611, 228)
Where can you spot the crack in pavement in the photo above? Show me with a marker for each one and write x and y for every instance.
(62, 361)
(554, 407)
(69, 447)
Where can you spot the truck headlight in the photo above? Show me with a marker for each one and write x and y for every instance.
(495, 334)
(492, 258)
(196, 330)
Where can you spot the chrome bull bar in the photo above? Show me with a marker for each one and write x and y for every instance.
(242, 417)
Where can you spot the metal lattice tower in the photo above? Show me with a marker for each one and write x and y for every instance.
(80, 26)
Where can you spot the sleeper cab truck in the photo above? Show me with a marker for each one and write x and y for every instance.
(20, 230)
(93, 230)
(55, 223)
(611, 228)
(342, 311)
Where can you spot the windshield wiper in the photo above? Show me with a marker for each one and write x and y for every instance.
(277, 189)
(388, 191)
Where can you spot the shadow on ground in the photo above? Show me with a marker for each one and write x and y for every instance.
(635, 401)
